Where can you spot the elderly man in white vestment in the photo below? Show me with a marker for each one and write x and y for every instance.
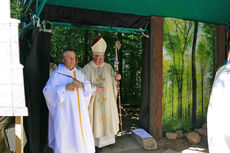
(103, 106)
(218, 117)
(67, 95)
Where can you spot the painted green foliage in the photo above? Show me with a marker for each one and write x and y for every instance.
(177, 72)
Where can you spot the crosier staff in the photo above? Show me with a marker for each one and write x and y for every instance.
(117, 47)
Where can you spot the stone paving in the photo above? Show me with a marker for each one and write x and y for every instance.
(130, 145)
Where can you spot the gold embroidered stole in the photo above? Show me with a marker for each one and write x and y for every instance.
(79, 110)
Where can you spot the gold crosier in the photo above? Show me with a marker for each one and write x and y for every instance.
(117, 47)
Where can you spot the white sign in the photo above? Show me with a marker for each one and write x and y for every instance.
(12, 96)
(4, 10)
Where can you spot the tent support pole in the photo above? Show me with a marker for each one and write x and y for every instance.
(39, 10)
(27, 7)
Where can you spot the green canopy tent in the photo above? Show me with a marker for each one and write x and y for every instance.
(209, 11)
(129, 16)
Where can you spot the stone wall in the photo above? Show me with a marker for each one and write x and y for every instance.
(4, 123)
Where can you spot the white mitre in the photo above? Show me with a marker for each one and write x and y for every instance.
(98, 46)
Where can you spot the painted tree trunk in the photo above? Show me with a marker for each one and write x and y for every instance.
(194, 84)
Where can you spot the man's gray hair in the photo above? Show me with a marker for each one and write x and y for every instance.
(68, 50)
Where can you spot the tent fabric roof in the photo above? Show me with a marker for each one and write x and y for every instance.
(209, 11)
(77, 17)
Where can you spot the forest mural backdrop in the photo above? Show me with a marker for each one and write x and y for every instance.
(188, 72)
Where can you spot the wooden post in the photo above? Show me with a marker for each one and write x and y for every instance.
(220, 46)
(156, 76)
(19, 133)
(227, 46)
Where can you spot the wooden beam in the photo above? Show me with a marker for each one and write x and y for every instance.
(156, 76)
(220, 46)
(227, 46)
(19, 133)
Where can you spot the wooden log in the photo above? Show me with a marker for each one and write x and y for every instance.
(144, 139)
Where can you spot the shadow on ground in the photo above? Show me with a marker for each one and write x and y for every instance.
(164, 145)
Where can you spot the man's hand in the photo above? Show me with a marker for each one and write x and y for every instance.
(118, 77)
(100, 88)
(78, 84)
(74, 85)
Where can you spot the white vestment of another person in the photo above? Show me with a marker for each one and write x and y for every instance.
(218, 122)
(103, 106)
(69, 125)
